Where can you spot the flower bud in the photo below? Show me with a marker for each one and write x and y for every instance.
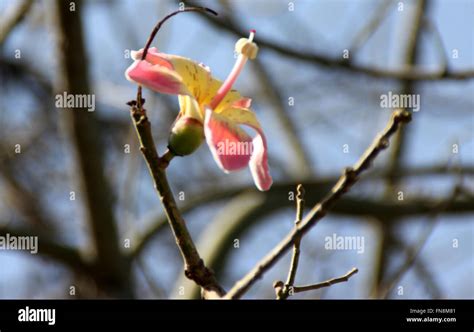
(186, 136)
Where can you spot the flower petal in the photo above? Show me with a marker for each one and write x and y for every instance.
(153, 57)
(195, 76)
(156, 77)
(259, 160)
(230, 146)
(242, 103)
(233, 96)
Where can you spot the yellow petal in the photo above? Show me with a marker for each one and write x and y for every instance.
(190, 107)
(241, 116)
(195, 76)
(231, 97)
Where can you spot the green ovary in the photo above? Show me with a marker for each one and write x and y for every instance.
(186, 136)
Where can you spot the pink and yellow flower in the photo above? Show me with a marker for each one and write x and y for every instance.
(209, 109)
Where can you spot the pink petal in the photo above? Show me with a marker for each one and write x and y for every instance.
(153, 57)
(259, 162)
(230, 146)
(242, 103)
(155, 77)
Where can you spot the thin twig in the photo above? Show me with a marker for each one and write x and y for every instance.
(283, 294)
(327, 283)
(347, 179)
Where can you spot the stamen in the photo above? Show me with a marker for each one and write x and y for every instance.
(246, 51)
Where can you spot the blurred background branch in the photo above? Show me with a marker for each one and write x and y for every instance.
(82, 128)
(409, 74)
(11, 18)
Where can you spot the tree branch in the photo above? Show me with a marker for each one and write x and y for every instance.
(194, 267)
(348, 178)
(327, 283)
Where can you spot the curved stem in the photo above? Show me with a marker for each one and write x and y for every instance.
(166, 18)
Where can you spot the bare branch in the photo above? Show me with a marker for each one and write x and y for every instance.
(327, 283)
(194, 266)
(283, 293)
(348, 178)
